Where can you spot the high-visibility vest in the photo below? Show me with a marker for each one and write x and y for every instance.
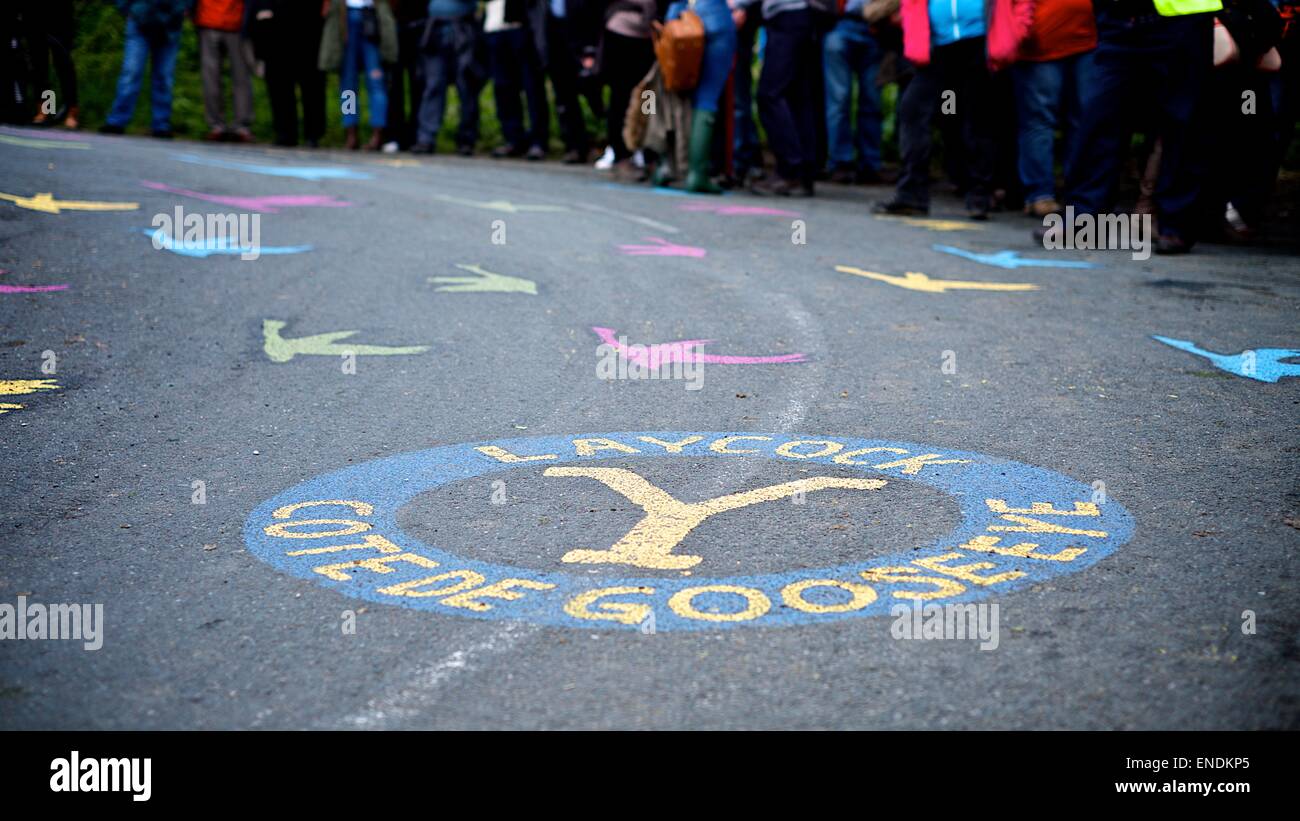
(1177, 8)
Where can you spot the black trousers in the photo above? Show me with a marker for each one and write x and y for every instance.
(961, 69)
(291, 68)
(563, 67)
(624, 61)
(787, 93)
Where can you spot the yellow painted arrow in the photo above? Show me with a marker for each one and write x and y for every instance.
(920, 282)
(279, 349)
(47, 204)
(935, 224)
(18, 387)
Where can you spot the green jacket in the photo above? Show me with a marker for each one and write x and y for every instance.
(336, 31)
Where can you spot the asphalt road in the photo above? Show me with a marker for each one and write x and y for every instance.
(163, 377)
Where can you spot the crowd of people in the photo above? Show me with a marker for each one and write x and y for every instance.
(1015, 90)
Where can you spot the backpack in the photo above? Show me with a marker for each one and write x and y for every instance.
(679, 48)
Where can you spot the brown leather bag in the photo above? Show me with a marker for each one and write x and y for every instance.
(679, 48)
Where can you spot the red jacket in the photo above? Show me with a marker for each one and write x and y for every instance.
(223, 15)
(1008, 23)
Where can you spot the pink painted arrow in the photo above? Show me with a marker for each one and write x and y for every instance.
(662, 353)
(737, 210)
(29, 289)
(270, 204)
(661, 248)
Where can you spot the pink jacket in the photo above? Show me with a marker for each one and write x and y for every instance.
(1008, 24)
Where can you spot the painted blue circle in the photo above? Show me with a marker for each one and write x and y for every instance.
(389, 483)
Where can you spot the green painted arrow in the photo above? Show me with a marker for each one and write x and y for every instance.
(280, 349)
(485, 281)
(500, 205)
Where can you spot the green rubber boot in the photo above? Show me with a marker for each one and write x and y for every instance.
(701, 152)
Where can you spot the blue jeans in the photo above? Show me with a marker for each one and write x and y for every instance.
(449, 57)
(1048, 94)
(850, 51)
(719, 50)
(358, 52)
(158, 46)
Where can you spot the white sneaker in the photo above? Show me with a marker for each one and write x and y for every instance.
(391, 147)
(606, 160)
(638, 159)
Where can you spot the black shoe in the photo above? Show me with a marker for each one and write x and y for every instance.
(535, 154)
(1172, 244)
(312, 143)
(870, 176)
(423, 148)
(977, 208)
(574, 157)
(898, 208)
(780, 187)
(505, 150)
(163, 133)
(108, 128)
(843, 176)
(465, 150)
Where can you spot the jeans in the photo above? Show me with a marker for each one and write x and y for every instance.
(719, 50)
(359, 52)
(158, 46)
(956, 76)
(1048, 93)
(516, 68)
(1168, 61)
(449, 57)
(849, 52)
(786, 94)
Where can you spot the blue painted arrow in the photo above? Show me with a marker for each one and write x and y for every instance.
(1012, 259)
(217, 246)
(1262, 364)
(298, 171)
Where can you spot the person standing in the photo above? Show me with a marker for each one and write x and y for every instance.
(850, 52)
(1050, 79)
(787, 92)
(571, 37)
(153, 35)
(517, 69)
(360, 36)
(715, 68)
(286, 36)
(945, 41)
(219, 24)
(626, 54)
(1167, 59)
(450, 46)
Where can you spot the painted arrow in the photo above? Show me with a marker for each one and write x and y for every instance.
(661, 353)
(29, 289)
(19, 387)
(47, 204)
(500, 205)
(28, 142)
(1012, 260)
(737, 210)
(484, 281)
(661, 247)
(920, 282)
(270, 204)
(935, 224)
(297, 171)
(1262, 364)
(217, 246)
(279, 349)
